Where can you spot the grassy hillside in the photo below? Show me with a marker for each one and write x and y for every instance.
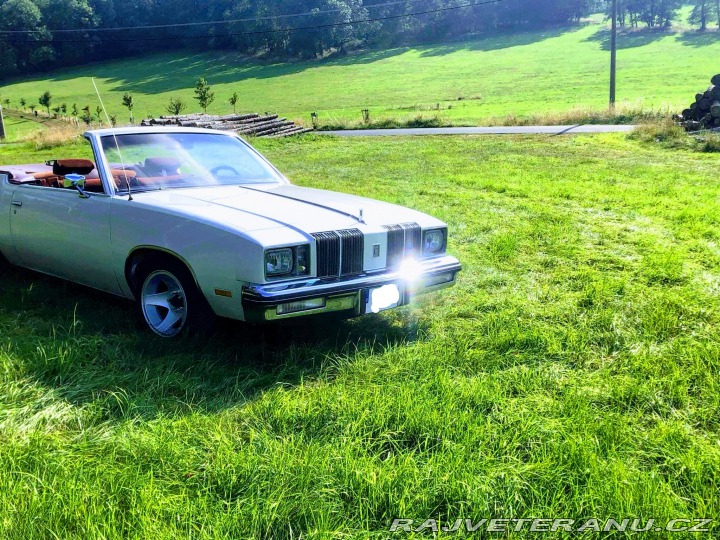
(19, 125)
(574, 371)
(520, 74)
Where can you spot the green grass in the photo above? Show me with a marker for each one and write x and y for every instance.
(21, 126)
(573, 372)
(480, 81)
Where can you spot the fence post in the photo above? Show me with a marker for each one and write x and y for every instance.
(366, 116)
(314, 119)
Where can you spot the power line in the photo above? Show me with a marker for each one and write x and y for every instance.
(261, 32)
(205, 23)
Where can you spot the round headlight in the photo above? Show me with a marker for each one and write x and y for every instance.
(434, 242)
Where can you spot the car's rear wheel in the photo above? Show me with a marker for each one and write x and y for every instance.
(170, 302)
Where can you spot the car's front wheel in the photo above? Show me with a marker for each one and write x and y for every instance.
(170, 302)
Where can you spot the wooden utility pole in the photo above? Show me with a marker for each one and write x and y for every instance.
(2, 124)
(613, 53)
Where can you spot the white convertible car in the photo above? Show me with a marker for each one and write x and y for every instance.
(194, 224)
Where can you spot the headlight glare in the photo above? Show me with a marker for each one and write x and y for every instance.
(434, 242)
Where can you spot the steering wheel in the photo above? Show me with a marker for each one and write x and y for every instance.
(223, 168)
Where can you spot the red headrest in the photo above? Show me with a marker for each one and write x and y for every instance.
(168, 164)
(61, 167)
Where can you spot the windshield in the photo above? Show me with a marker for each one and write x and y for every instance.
(151, 161)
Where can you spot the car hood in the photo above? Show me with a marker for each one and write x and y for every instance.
(256, 207)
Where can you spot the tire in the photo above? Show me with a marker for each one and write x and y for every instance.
(170, 302)
(5, 265)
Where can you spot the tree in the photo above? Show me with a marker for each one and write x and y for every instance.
(45, 100)
(33, 107)
(98, 112)
(703, 11)
(21, 15)
(86, 116)
(176, 106)
(127, 101)
(113, 120)
(6, 101)
(234, 99)
(74, 111)
(23, 103)
(203, 93)
(63, 108)
(656, 13)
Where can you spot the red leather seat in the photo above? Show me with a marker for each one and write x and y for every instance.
(48, 179)
(85, 167)
(120, 177)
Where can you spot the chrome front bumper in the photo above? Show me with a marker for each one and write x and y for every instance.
(348, 295)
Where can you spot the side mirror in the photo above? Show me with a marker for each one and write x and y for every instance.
(76, 181)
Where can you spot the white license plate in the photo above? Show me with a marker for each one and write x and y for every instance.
(382, 298)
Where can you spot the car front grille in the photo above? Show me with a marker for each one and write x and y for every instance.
(339, 253)
(404, 241)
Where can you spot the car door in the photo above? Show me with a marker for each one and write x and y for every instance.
(57, 232)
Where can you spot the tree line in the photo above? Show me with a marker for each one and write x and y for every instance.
(105, 29)
(660, 13)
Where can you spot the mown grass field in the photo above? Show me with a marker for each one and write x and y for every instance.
(465, 83)
(573, 372)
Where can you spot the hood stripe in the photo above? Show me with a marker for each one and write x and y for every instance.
(359, 218)
(274, 220)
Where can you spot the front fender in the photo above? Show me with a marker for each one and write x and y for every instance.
(216, 257)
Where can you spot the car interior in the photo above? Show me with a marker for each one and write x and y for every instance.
(153, 171)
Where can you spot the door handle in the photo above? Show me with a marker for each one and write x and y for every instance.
(16, 203)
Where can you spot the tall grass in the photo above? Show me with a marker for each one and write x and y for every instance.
(622, 114)
(670, 134)
(56, 136)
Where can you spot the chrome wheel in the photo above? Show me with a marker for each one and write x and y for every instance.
(164, 303)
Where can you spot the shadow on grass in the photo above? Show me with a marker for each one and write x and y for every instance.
(699, 38)
(168, 72)
(495, 42)
(629, 39)
(163, 72)
(90, 349)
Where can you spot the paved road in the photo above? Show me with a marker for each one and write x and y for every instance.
(512, 130)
